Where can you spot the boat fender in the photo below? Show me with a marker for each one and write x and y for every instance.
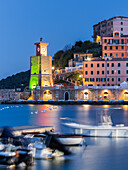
(17, 154)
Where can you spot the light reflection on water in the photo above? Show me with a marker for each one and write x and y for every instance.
(101, 153)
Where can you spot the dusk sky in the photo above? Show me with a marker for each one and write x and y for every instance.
(59, 22)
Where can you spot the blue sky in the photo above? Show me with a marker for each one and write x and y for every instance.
(59, 22)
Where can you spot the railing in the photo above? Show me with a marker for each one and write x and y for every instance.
(87, 87)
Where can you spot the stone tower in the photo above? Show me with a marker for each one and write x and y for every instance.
(40, 67)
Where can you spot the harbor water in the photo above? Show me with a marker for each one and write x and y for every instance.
(100, 154)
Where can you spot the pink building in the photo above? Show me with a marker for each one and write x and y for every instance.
(105, 72)
(107, 27)
(116, 46)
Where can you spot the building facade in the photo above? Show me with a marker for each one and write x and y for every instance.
(108, 27)
(116, 46)
(105, 72)
(41, 67)
(116, 93)
(78, 59)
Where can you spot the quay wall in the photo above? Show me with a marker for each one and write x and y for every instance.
(66, 94)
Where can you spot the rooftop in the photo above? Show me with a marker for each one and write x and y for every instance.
(109, 20)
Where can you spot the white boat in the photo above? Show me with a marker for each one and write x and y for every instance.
(103, 129)
(71, 140)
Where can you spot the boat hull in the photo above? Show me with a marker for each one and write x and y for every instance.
(99, 131)
(71, 141)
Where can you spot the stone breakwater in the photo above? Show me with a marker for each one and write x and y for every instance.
(121, 102)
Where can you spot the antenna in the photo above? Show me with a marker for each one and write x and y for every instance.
(41, 39)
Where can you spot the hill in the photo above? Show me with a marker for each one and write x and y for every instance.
(60, 59)
(19, 80)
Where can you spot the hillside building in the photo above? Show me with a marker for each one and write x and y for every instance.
(108, 27)
(116, 46)
(105, 72)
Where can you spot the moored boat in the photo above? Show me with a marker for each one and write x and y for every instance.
(103, 129)
(71, 139)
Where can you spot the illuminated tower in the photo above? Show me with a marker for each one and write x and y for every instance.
(41, 67)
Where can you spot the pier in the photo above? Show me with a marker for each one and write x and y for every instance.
(24, 129)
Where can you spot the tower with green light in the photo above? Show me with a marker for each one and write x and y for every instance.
(40, 67)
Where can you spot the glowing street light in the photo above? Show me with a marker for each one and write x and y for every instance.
(53, 68)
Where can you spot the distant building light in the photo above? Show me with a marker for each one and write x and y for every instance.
(89, 59)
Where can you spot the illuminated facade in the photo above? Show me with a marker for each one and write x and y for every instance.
(105, 72)
(116, 46)
(108, 27)
(41, 67)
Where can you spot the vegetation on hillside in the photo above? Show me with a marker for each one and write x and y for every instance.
(60, 59)
(20, 80)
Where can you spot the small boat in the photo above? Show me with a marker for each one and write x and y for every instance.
(103, 129)
(64, 139)
(71, 139)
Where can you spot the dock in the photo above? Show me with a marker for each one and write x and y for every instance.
(24, 129)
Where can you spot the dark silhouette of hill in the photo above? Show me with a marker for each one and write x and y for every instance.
(19, 80)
